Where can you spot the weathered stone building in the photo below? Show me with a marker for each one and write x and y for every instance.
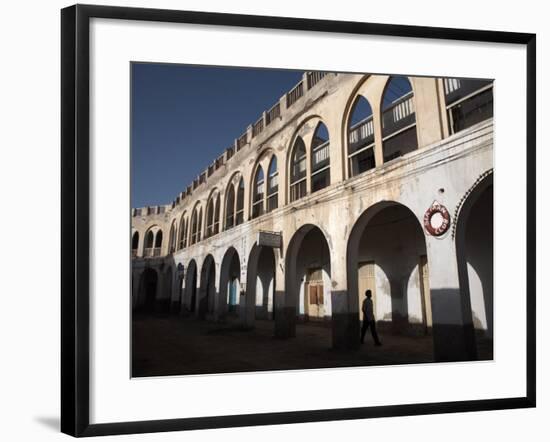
(353, 182)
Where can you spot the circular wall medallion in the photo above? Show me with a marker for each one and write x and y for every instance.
(437, 219)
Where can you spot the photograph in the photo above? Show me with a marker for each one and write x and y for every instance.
(289, 219)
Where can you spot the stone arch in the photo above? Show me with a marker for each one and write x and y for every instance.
(308, 289)
(217, 212)
(474, 251)
(230, 283)
(299, 172)
(260, 283)
(257, 192)
(195, 223)
(150, 241)
(386, 253)
(172, 237)
(398, 116)
(148, 291)
(239, 204)
(359, 90)
(320, 158)
(158, 239)
(183, 231)
(135, 243)
(206, 303)
(359, 137)
(230, 200)
(212, 212)
(272, 187)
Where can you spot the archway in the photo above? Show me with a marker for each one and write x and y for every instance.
(474, 246)
(230, 283)
(308, 294)
(208, 287)
(148, 290)
(135, 244)
(260, 283)
(386, 253)
(190, 297)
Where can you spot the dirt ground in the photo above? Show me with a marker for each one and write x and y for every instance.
(173, 345)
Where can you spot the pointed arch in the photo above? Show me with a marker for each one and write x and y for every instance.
(272, 185)
(239, 209)
(172, 237)
(320, 158)
(230, 206)
(199, 232)
(258, 192)
(217, 215)
(182, 237)
(212, 213)
(298, 170)
(360, 137)
(135, 243)
(195, 224)
(158, 240)
(149, 239)
(398, 118)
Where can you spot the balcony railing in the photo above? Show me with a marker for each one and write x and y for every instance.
(272, 114)
(361, 134)
(457, 88)
(242, 140)
(321, 155)
(399, 115)
(151, 251)
(314, 77)
(230, 152)
(273, 182)
(295, 94)
(258, 127)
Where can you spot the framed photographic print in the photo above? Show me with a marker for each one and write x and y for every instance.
(292, 220)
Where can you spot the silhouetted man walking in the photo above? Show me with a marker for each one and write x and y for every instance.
(368, 319)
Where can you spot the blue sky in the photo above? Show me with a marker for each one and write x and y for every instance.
(183, 117)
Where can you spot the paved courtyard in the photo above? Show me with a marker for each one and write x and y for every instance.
(173, 345)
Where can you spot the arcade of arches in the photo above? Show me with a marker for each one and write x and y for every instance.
(384, 185)
(386, 252)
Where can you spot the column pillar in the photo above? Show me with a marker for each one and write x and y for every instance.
(377, 124)
(175, 296)
(453, 332)
(429, 124)
(219, 313)
(284, 303)
(136, 276)
(345, 325)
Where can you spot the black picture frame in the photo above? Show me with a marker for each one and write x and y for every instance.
(75, 212)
